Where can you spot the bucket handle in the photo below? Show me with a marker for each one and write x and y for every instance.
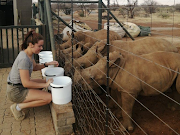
(56, 87)
(49, 75)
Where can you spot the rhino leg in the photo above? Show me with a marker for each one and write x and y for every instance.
(127, 106)
(116, 95)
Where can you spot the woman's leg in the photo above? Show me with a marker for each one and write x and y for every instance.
(36, 98)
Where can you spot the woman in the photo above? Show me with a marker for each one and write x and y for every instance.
(21, 89)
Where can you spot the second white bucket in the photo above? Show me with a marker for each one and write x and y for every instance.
(53, 72)
(43, 60)
(61, 90)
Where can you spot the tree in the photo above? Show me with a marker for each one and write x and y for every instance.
(150, 6)
(177, 7)
(130, 7)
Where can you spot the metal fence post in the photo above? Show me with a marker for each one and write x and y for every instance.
(100, 15)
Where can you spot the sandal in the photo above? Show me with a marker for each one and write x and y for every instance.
(18, 115)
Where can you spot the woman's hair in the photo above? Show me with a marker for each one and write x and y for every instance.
(31, 37)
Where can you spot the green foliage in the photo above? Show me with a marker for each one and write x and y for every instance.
(177, 7)
(164, 15)
(81, 14)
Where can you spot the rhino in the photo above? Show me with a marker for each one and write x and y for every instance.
(147, 75)
(138, 47)
(90, 38)
(75, 47)
(77, 52)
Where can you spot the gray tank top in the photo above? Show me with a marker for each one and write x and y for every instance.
(21, 62)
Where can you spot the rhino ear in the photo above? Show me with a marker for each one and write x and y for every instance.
(114, 59)
(115, 63)
(82, 66)
(102, 46)
(99, 55)
(68, 34)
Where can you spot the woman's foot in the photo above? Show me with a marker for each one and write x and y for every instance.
(18, 115)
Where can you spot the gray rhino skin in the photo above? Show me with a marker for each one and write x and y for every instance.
(77, 52)
(127, 77)
(138, 47)
(86, 39)
(90, 37)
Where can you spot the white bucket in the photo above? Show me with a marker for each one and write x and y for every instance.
(45, 60)
(53, 72)
(44, 70)
(45, 56)
(45, 53)
(61, 89)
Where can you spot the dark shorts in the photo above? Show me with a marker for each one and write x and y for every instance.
(16, 94)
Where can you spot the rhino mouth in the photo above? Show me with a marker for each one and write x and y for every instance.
(83, 86)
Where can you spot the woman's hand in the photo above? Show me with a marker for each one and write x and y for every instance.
(49, 81)
(55, 63)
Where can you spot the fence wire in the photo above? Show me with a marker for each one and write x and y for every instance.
(89, 105)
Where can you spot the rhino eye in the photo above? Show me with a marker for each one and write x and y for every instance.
(82, 66)
(91, 77)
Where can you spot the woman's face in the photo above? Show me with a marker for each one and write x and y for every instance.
(38, 46)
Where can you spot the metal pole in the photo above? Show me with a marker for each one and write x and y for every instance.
(100, 15)
(49, 18)
(41, 7)
(72, 29)
(107, 88)
(58, 19)
(46, 29)
(118, 22)
(63, 21)
(74, 1)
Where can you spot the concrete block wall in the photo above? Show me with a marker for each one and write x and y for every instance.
(63, 118)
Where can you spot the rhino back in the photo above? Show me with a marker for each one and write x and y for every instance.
(144, 46)
(138, 72)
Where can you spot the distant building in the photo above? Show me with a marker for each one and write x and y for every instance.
(15, 12)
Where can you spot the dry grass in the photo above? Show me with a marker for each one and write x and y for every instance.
(140, 18)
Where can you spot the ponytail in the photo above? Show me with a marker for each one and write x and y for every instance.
(31, 37)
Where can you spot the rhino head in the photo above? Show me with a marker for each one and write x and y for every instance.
(76, 54)
(78, 37)
(94, 76)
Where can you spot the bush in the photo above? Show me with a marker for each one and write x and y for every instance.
(81, 14)
(164, 15)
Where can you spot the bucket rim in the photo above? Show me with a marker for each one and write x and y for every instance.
(42, 61)
(61, 86)
(43, 52)
(43, 56)
(50, 69)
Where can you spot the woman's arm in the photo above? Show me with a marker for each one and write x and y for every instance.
(37, 67)
(41, 66)
(28, 83)
(39, 80)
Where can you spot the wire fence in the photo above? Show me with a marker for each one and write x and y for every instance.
(131, 74)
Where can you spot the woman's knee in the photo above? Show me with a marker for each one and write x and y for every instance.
(48, 98)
